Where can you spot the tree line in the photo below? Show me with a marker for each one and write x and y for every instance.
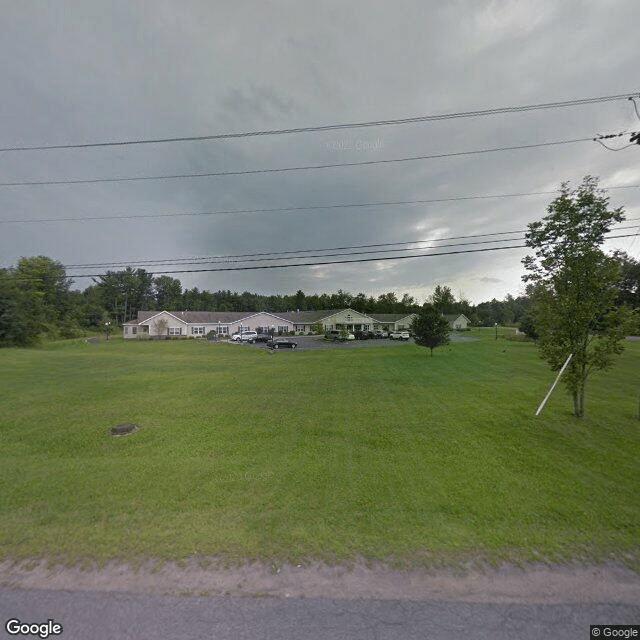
(37, 301)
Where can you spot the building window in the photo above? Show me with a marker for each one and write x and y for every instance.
(283, 329)
(134, 330)
(223, 330)
(175, 331)
(197, 331)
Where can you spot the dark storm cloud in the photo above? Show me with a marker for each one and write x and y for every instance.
(81, 72)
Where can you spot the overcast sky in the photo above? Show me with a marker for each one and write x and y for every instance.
(84, 72)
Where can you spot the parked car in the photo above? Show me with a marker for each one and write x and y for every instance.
(399, 335)
(381, 334)
(262, 337)
(364, 335)
(336, 334)
(281, 343)
(245, 336)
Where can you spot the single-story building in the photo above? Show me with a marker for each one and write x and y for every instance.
(197, 324)
(393, 321)
(348, 319)
(457, 320)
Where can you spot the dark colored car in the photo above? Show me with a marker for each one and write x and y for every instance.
(364, 335)
(262, 337)
(281, 343)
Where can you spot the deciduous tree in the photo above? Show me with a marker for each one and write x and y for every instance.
(575, 285)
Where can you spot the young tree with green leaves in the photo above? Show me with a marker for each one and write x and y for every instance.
(574, 286)
(443, 299)
(430, 328)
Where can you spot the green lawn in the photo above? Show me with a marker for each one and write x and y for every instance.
(379, 452)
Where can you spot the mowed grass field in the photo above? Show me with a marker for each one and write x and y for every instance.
(377, 452)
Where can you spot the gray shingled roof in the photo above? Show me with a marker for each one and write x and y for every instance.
(389, 317)
(307, 317)
(205, 317)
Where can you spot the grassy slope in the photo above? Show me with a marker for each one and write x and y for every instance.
(379, 451)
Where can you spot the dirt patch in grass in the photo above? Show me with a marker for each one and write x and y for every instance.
(124, 429)
(532, 584)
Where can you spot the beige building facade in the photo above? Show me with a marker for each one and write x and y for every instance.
(198, 324)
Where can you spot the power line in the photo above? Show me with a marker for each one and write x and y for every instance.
(340, 126)
(307, 208)
(298, 264)
(315, 264)
(296, 252)
(634, 136)
(299, 168)
(311, 264)
(282, 209)
(323, 255)
(282, 253)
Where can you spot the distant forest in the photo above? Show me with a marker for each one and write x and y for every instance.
(36, 301)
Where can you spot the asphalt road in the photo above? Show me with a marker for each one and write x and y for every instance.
(115, 616)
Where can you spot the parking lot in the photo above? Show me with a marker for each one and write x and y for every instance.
(312, 343)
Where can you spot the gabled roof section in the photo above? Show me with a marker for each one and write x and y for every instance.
(335, 312)
(144, 317)
(391, 317)
(266, 313)
(307, 317)
(203, 317)
(454, 316)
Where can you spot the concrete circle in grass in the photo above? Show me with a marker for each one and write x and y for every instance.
(124, 429)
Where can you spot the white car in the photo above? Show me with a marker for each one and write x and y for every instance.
(245, 336)
(399, 335)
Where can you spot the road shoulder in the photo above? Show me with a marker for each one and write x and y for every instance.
(508, 584)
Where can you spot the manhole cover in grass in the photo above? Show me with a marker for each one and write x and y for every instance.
(124, 429)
